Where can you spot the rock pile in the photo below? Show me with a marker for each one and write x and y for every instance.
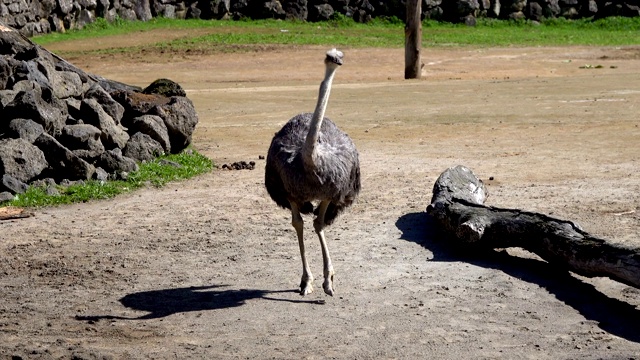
(60, 124)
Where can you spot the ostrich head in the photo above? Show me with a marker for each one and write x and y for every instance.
(334, 58)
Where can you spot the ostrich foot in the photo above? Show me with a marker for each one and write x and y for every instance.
(328, 285)
(306, 286)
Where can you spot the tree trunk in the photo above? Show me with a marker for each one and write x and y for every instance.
(457, 206)
(412, 40)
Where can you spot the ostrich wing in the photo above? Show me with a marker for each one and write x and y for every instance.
(283, 160)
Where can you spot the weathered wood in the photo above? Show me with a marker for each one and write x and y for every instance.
(8, 213)
(457, 206)
(413, 40)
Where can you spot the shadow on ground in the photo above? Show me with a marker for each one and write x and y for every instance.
(614, 316)
(165, 302)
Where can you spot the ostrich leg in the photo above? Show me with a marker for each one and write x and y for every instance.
(318, 225)
(306, 283)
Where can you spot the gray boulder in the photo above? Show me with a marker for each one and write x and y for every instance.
(515, 5)
(13, 185)
(40, 106)
(110, 106)
(26, 85)
(26, 129)
(322, 12)
(164, 87)
(30, 70)
(66, 84)
(48, 184)
(295, 9)
(155, 127)
(112, 86)
(12, 42)
(141, 147)
(66, 66)
(101, 174)
(83, 140)
(271, 9)
(7, 96)
(136, 103)
(73, 107)
(180, 117)
(63, 163)
(113, 134)
(535, 11)
(21, 159)
(143, 10)
(5, 73)
(218, 9)
(65, 6)
(113, 161)
(6, 196)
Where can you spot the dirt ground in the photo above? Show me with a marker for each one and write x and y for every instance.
(208, 268)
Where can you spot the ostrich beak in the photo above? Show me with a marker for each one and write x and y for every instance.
(334, 56)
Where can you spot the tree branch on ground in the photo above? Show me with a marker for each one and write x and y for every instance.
(458, 207)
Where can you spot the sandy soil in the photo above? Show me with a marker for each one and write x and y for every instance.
(208, 268)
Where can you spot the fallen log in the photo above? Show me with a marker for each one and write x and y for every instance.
(458, 207)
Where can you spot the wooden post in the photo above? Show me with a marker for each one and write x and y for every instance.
(412, 40)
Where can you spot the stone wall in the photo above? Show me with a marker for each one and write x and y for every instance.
(32, 17)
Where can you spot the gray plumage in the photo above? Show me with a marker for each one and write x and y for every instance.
(336, 177)
(313, 167)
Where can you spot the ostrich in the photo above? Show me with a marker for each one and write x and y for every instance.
(313, 167)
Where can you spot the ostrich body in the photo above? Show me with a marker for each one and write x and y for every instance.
(313, 167)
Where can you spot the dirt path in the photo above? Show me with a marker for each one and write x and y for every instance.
(208, 268)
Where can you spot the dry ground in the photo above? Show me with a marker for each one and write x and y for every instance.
(208, 268)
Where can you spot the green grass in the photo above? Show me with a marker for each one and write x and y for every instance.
(225, 35)
(615, 31)
(156, 173)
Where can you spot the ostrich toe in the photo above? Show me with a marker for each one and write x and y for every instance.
(306, 286)
(328, 285)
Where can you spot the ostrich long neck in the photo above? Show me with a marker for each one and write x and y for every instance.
(308, 151)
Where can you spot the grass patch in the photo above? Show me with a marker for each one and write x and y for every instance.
(227, 35)
(613, 31)
(155, 173)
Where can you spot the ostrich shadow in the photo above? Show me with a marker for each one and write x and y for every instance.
(612, 315)
(165, 302)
